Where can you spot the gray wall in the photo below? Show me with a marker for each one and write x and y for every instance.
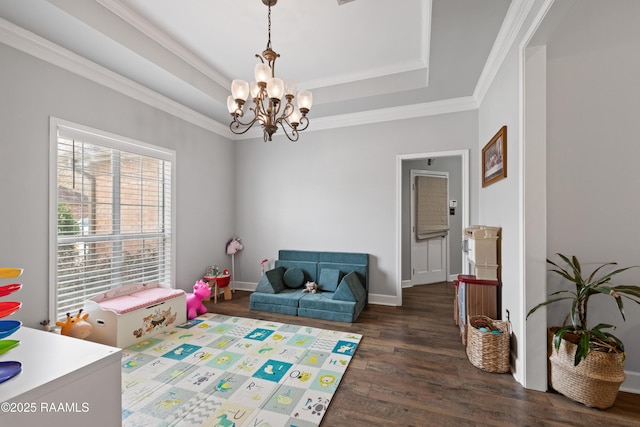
(32, 91)
(591, 147)
(593, 100)
(335, 190)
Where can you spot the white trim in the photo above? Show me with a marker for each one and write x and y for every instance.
(464, 155)
(532, 361)
(38, 47)
(115, 141)
(513, 21)
(32, 44)
(377, 299)
(146, 28)
(382, 115)
(119, 142)
(632, 383)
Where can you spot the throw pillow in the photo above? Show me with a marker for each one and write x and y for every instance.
(350, 289)
(293, 278)
(271, 282)
(329, 279)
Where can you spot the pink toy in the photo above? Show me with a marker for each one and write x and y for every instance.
(195, 306)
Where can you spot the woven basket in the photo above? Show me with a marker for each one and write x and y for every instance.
(594, 382)
(489, 352)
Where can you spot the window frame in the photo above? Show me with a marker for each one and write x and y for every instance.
(113, 141)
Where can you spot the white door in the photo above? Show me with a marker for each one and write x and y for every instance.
(429, 257)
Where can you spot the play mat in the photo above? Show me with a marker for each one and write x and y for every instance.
(230, 371)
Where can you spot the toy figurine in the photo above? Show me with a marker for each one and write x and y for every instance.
(195, 306)
(76, 327)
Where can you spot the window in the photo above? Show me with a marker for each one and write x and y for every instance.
(112, 220)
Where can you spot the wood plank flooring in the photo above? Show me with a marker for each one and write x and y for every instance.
(411, 370)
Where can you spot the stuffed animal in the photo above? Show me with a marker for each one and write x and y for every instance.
(310, 287)
(195, 306)
(234, 246)
(76, 327)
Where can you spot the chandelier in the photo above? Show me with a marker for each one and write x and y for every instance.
(267, 91)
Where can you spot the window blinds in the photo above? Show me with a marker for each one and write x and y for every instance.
(432, 219)
(114, 216)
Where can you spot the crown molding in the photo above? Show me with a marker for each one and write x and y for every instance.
(404, 112)
(38, 47)
(145, 27)
(41, 48)
(511, 26)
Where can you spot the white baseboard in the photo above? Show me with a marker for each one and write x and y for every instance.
(407, 284)
(245, 286)
(632, 383)
(377, 299)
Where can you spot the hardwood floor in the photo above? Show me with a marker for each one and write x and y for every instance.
(411, 370)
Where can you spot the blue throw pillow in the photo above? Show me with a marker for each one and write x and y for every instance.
(329, 279)
(271, 282)
(350, 289)
(293, 278)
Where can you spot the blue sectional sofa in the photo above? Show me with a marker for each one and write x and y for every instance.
(342, 278)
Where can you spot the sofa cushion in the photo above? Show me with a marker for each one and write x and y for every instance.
(337, 316)
(350, 289)
(272, 281)
(324, 301)
(329, 279)
(293, 278)
(288, 297)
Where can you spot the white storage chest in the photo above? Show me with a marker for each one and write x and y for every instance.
(123, 316)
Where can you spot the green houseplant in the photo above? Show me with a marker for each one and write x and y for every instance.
(581, 348)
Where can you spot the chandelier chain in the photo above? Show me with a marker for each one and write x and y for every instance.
(269, 29)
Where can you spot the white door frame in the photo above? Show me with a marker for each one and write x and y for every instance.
(464, 156)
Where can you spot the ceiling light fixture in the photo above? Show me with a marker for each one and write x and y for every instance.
(267, 91)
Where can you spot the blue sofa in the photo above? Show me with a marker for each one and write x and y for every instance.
(342, 278)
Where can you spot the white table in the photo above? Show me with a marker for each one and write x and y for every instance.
(64, 382)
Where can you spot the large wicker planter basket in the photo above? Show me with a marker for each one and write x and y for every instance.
(489, 352)
(594, 382)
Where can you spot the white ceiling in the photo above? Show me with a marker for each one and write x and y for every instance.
(358, 56)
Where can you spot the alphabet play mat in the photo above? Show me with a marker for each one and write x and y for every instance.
(230, 371)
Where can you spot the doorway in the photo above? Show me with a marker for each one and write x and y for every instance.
(459, 179)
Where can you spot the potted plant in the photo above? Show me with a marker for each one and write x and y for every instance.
(588, 362)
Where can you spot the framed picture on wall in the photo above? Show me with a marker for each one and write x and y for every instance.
(494, 158)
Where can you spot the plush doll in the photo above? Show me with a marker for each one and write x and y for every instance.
(195, 306)
(311, 287)
(234, 246)
(76, 327)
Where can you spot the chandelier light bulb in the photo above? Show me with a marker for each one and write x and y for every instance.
(290, 87)
(294, 118)
(262, 73)
(305, 99)
(255, 89)
(275, 88)
(232, 105)
(240, 90)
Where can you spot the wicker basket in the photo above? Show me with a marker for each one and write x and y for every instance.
(489, 352)
(594, 382)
